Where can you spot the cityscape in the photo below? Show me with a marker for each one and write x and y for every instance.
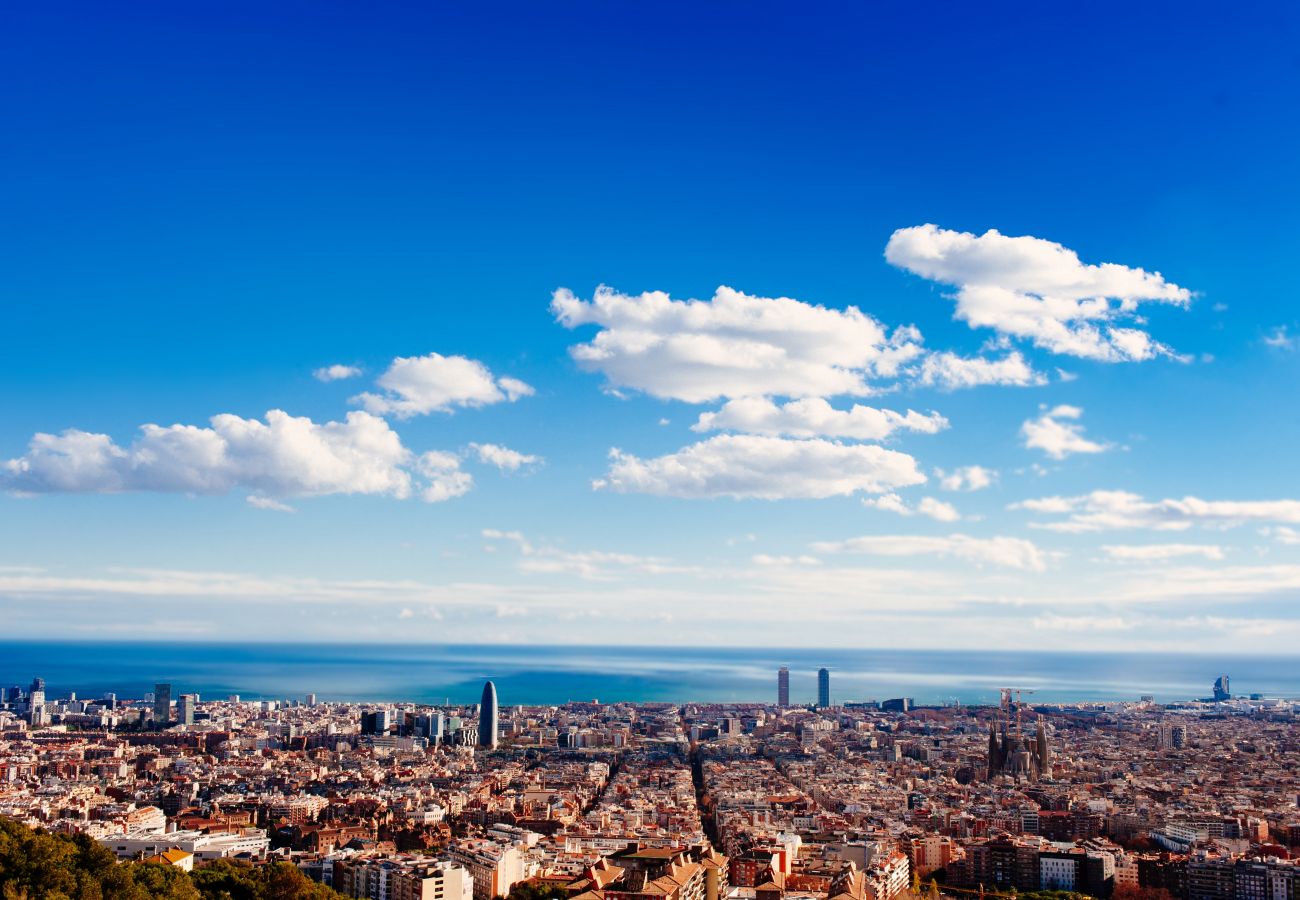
(866, 799)
(601, 450)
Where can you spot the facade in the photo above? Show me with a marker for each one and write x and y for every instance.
(783, 687)
(823, 687)
(487, 717)
(162, 704)
(185, 709)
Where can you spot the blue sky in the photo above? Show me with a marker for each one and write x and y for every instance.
(205, 206)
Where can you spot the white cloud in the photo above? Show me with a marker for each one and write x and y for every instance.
(1054, 622)
(950, 371)
(1284, 535)
(929, 506)
(283, 456)
(813, 417)
(1161, 552)
(1009, 552)
(766, 559)
(966, 478)
(1031, 288)
(1280, 339)
(503, 458)
(417, 385)
(259, 502)
(445, 479)
(768, 468)
(590, 565)
(733, 345)
(1116, 510)
(336, 372)
(1056, 438)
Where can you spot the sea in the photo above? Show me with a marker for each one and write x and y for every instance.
(541, 675)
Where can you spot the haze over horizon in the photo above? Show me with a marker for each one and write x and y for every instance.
(332, 326)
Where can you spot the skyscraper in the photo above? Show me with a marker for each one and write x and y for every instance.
(162, 704)
(1222, 690)
(823, 687)
(783, 687)
(487, 717)
(185, 708)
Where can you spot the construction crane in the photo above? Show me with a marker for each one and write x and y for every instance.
(1007, 704)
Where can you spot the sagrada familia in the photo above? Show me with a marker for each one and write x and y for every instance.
(1019, 756)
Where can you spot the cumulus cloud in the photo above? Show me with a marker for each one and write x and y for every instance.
(928, 506)
(768, 468)
(418, 385)
(503, 458)
(1008, 552)
(444, 478)
(966, 478)
(732, 345)
(1161, 552)
(1056, 438)
(1027, 287)
(950, 371)
(336, 372)
(814, 417)
(283, 456)
(1117, 510)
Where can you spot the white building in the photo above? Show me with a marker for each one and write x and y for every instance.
(252, 842)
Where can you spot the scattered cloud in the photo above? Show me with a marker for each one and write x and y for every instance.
(1161, 552)
(966, 478)
(814, 417)
(590, 565)
(767, 468)
(950, 371)
(1035, 289)
(1056, 438)
(336, 372)
(259, 502)
(928, 506)
(765, 559)
(1283, 535)
(418, 385)
(503, 458)
(1280, 338)
(732, 345)
(1119, 510)
(1008, 552)
(444, 478)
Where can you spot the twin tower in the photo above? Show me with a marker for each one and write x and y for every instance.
(783, 687)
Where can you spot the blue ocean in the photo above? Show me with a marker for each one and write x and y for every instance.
(556, 674)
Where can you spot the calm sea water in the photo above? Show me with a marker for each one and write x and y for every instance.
(541, 675)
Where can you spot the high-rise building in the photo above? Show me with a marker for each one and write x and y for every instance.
(309, 700)
(823, 687)
(162, 704)
(377, 722)
(1222, 691)
(487, 717)
(185, 708)
(1173, 737)
(783, 687)
(36, 696)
